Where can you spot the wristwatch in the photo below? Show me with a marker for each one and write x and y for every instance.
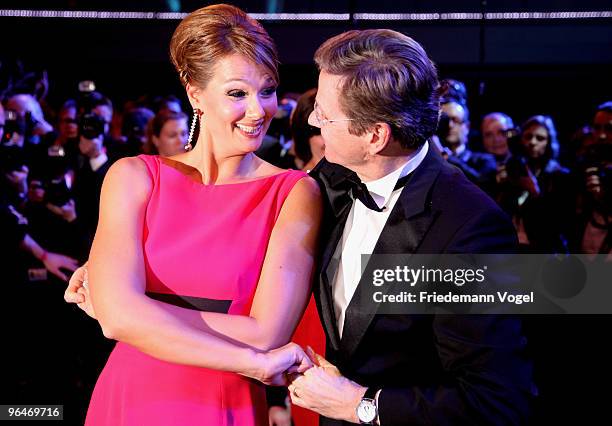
(367, 410)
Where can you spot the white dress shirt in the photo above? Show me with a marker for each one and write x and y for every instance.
(98, 162)
(362, 230)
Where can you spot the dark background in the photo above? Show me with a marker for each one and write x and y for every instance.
(523, 67)
(560, 67)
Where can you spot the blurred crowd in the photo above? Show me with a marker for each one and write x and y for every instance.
(557, 192)
(53, 161)
(52, 165)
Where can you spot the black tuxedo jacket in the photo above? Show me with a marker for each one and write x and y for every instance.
(86, 190)
(433, 370)
(479, 167)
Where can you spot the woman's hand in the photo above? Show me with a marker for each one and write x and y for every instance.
(277, 363)
(78, 291)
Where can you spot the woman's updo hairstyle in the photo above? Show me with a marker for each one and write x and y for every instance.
(213, 32)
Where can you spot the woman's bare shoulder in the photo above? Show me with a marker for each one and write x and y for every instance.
(129, 174)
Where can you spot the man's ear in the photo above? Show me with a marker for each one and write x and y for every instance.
(380, 137)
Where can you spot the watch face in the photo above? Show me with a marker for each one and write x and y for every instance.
(366, 411)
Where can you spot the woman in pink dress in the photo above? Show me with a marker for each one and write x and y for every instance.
(202, 262)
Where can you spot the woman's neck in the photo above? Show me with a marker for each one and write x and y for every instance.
(215, 167)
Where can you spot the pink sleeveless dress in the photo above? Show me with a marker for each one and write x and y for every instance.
(204, 247)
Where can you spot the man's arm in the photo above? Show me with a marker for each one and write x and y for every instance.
(489, 379)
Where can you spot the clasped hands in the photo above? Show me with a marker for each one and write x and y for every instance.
(314, 383)
(324, 390)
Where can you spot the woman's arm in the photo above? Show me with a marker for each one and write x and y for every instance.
(285, 281)
(286, 276)
(117, 287)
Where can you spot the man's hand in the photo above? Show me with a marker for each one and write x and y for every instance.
(501, 174)
(593, 183)
(67, 211)
(78, 291)
(324, 390)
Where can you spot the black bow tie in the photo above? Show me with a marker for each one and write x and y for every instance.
(360, 192)
(338, 182)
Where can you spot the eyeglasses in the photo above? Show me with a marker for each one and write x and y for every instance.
(320, 122)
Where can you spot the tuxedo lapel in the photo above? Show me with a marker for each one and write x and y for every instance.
(406, 226)
(337, 207)
(329, 268)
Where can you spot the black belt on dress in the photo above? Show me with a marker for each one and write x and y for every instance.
(190, 302)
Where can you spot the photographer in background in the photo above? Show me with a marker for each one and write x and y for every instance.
(497, 130)
(595, 236)
(538, 192)
(91, 101)
(32, 267)
(63, 143)
(52, 175)
(51, 213)
(498, 135)
(453, 130)
(499, 138)
(31, 120)
(14, 192)
(134, 130)
(94, 162)
(24, 125)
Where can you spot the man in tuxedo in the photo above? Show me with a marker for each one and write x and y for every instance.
(389, 192)
(92, 167)
(479, 167)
